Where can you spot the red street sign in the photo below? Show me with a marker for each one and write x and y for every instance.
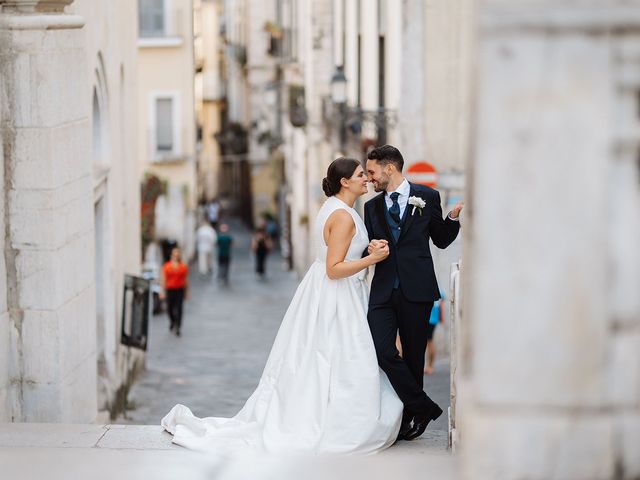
(423, 173)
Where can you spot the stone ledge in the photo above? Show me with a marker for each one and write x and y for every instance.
(40, 22)
(565, 20)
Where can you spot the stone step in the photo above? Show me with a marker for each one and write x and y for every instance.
(64, 451)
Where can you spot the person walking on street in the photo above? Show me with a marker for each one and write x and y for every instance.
(436, 317)
(175, 285)
(261, 246)
(271, 228)
(213, 212)
(205, 240)
(225, 242)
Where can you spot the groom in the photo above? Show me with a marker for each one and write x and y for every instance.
(404, 285)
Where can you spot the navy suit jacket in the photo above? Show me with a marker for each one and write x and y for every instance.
(409, 258)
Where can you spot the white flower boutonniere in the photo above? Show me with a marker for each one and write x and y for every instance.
(418, 203)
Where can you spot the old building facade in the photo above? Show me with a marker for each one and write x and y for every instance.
(207, 18)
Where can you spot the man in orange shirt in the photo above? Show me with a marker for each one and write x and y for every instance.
(175, 284)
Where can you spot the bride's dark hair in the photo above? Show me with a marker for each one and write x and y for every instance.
(340, 168)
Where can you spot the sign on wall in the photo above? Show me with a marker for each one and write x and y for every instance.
(136, 309)
(423, 173)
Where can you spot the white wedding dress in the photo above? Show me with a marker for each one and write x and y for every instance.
(321, 391)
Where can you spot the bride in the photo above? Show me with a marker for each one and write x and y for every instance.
(321, 391)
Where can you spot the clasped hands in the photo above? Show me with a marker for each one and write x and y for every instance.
(378, 249)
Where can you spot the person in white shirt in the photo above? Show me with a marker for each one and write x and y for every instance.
(213, 213)
(205, 240)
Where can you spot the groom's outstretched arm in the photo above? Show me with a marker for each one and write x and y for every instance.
(442, 231)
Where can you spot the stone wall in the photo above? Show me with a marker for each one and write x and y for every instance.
(71, 196)
(550, 358)
(5, 326)
(48, 219)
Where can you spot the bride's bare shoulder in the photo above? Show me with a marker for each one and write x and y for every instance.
(340, 215)
(340, 219)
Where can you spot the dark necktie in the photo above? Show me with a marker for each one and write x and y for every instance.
(394, 211)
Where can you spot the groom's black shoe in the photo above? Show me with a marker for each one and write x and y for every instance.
(421, 421)
(405, 428)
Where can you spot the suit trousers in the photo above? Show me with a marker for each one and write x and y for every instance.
(411, 321)
(175, 298)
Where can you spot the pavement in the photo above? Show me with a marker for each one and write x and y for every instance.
(141, 452)
(213, 367)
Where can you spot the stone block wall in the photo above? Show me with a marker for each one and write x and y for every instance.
(47, 220)
(5, 343)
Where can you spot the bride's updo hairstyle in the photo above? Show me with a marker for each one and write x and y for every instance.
(340, 168)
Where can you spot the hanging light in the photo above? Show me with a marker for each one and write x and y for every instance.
(339, 86)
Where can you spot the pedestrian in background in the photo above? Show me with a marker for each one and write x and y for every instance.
(174, 285)
(272, 230)
(205, 240)
(436, 317)
(225, 243)
(213, 212)
(261, 245)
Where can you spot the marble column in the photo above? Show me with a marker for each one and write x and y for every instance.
(393, 63)
(369, 47)
(351, 26)
(338, 32)
(412, 104)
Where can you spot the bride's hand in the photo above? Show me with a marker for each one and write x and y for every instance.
(380, 251)
(375, 243)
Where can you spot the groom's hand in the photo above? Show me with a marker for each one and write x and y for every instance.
(373, 244)
(455, 213)
(380, 251)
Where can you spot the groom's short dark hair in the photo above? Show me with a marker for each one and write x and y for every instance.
(387, 154)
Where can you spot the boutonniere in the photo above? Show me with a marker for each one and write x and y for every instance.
(418, 203)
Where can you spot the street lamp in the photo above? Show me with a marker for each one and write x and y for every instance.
(380, 118)
(339, 98)
(339, 86)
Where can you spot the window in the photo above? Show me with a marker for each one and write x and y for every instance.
(164, 125)
(151, 18)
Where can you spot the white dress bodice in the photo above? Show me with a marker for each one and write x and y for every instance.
(360, 239)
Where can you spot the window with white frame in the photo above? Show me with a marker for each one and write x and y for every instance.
(165, 128)
(151, 17)
(164, 125)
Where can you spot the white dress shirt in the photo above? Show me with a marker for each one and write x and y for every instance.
(404, 189)
(403, 199)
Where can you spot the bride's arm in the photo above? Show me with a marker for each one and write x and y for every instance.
(338, 233)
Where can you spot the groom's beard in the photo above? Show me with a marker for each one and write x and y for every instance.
(381, 185)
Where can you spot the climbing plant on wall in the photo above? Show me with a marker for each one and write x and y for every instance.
(152, 187)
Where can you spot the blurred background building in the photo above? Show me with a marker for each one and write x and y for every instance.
(209, 95)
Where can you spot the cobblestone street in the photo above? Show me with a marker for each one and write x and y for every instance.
(226, 337)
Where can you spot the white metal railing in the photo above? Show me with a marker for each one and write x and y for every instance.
(455, 306)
